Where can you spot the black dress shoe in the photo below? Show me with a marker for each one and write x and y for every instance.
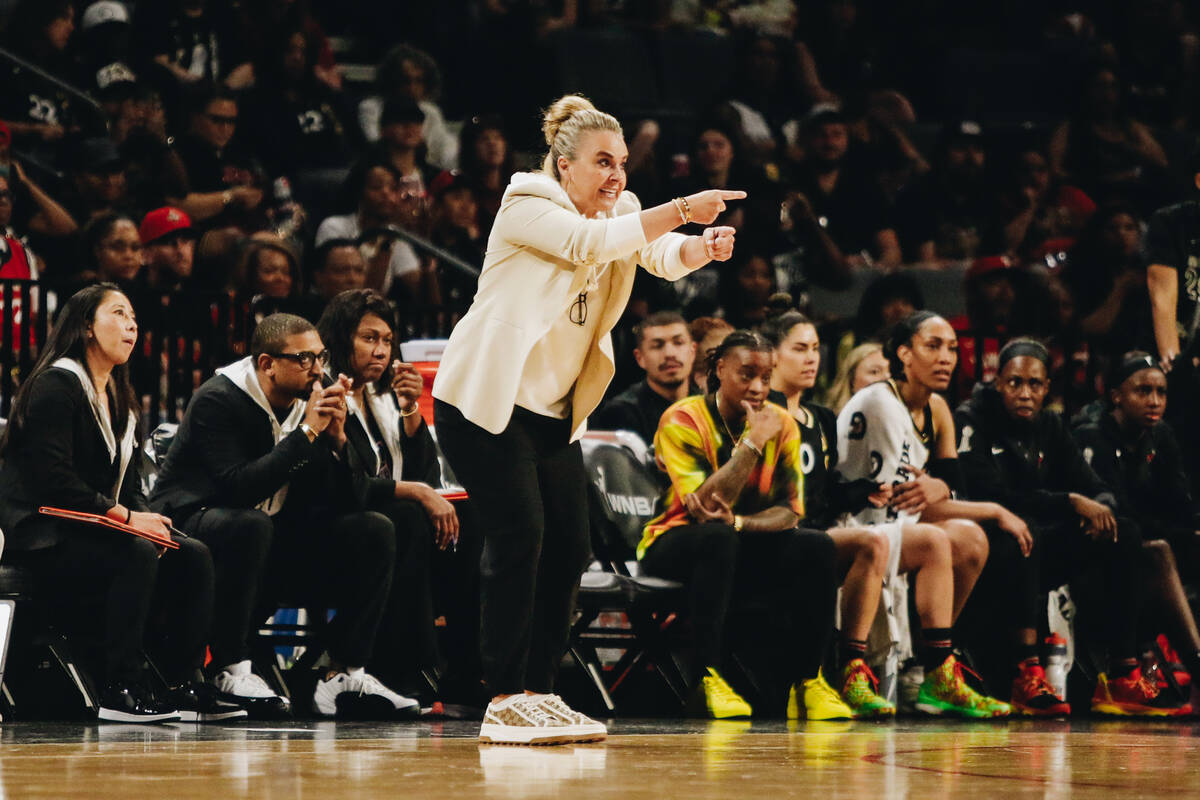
(201, 702)
(133, 703)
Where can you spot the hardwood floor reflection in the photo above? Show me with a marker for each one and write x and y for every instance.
(694, 761)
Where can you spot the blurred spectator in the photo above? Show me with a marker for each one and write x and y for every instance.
(168, 249)
(1105, 151)
(880, 141)
(263, 18)
(268, 275)
(886, 300)
(372, 191)
(1000, 305)
(406, 72)
(1158, 49)
(1107, 279)
(38, 113)
(1039, 210)
(707, 333)
(763, 100)
(337, 266)
(946, 215)
(837, 58)
(861, 367)
(16, 260)
(155, 175)
(224, 182)
(112, 249)
(456, 229)
(402, 143)
(104, 44)
(746, 284)
(97, 180)
(715, 163)
(294, 121)
(847, 203)
(183, 42)
(487, 163)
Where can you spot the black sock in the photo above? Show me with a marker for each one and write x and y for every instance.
(938, 645)
(1120, 667)
(852, 649)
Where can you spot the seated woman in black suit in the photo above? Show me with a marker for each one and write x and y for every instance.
(394, 460)
(72, 443)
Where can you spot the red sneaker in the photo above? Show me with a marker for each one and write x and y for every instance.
(1032, 695)
(1134, 696)
(1174, 662)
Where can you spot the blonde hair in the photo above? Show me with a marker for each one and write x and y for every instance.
(563, 124)
(839, 391)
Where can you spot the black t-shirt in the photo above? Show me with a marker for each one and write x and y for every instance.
(637, 409)
(854, 212)
(1173, 240)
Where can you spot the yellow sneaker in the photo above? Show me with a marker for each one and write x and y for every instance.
(721, 701)
(821, 701)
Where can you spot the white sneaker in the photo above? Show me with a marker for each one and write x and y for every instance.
(239, 685)
(362, 686)
(590, 729)
(521, 719)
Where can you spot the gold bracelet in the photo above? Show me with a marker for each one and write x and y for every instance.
(678, 202)
(415, 408)
(687, 210)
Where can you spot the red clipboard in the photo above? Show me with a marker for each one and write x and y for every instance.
(98, 519)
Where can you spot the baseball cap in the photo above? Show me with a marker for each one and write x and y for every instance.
(163, 222)
(104, 11)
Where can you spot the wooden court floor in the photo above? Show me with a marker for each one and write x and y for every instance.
(642, 759)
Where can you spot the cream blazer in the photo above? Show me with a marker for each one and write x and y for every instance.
(537, 235)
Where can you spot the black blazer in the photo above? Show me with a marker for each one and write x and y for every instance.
(420, 463)
(58, 458)
(224, 455)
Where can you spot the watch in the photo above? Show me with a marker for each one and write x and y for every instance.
(738, 522)
(308, 431)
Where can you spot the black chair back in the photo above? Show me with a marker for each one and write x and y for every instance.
(625, 496)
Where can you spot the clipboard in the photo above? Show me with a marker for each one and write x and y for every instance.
(452, 494)
(98, 519)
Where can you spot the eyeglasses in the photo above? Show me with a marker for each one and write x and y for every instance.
(305, 359)
(578, 311)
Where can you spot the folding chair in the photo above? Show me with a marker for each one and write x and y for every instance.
(623, 495)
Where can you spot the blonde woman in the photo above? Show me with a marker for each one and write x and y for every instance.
(520, 375)
(861, 367)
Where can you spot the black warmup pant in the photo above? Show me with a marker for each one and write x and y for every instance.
(407, 639)
(528, 486)
(1013, 585)
(794, 570)
(343, 562)
(163, 604)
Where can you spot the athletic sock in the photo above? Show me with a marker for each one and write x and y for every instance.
(852, 649)
(938, 645)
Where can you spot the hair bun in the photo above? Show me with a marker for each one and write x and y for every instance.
(779, 304)
(560, 111)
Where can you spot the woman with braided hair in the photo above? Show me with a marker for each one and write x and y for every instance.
(522, 371)
(729, 529)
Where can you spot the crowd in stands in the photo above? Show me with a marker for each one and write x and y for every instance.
(227, 154)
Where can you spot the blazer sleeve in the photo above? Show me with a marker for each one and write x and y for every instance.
(219, 433)
(132, 496)
(56, 406)
(540, 223)
(420, 457)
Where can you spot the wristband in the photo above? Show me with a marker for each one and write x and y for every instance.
(751, 446)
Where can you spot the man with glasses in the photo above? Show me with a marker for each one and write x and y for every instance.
(255, 472)
(221, 178)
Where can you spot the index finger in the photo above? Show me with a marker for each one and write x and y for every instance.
(728, 194)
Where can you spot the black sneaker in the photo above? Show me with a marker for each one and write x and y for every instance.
(201, 702)
(133, 704)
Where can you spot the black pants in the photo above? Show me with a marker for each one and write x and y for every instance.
(343, 562)
(794, 571)
(163, 604)
(1012, 585)
(528, 486)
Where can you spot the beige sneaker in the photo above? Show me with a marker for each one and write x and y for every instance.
(590, 729)
(520, 719)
